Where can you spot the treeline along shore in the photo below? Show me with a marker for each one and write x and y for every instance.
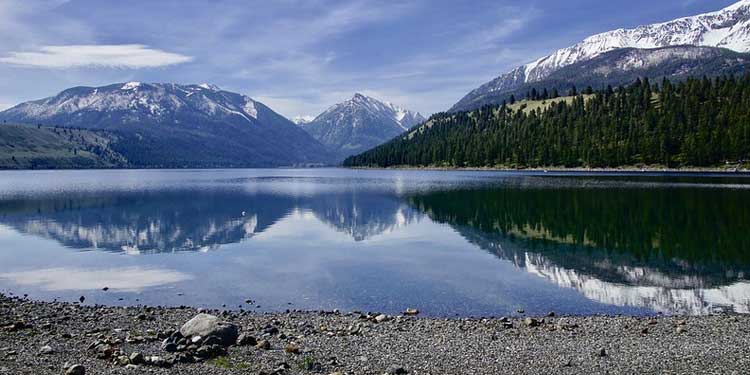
(697, 123)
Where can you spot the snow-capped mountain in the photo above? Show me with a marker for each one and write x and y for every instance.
(359, 124)
(136, 102)
(167, 124)
(623, 66)
(303, 119)
(727, 28)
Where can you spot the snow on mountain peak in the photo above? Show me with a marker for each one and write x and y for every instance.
(130, 86)
(726, 28)
(209, 86)
(738, 5)
(303, 119)
(250, 108)
(156, 101)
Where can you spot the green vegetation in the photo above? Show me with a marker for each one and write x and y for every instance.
(307, 363)
(697, 122)
(41, 147)
(226, 363)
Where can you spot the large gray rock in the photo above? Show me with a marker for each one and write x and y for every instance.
(206, 325)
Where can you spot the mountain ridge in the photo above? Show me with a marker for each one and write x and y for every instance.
(726, 28)
(174, 125)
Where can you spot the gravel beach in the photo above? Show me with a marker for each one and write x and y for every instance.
(59, 338)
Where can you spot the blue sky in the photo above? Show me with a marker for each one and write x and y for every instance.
(300, 57)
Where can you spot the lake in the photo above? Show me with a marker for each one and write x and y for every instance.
(448, 243)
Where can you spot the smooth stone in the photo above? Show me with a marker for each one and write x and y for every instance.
(208, 325)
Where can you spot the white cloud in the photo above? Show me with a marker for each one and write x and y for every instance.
(123, 279)
(130, 56)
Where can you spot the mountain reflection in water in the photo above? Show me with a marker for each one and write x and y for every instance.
(668, 247)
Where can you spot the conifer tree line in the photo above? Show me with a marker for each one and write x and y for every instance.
(698, 122)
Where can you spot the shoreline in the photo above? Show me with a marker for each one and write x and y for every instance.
(42, 337)
(648, 170)
(628, 169)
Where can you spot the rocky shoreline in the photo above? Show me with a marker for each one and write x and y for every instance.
(59, 338)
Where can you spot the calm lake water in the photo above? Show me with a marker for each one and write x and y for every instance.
(448, 243)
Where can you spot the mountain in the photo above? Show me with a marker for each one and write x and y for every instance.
(359, 124)
(624, 66)
(172, 125)
(728, 28)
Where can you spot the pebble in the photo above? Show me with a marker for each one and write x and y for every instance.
(411, 311)
(136, 358)
(531, 322)
(263, 344)
(46, 350)
(291, 348)
(395, 370)
(75, 370)
(381, 318)
(245, 339)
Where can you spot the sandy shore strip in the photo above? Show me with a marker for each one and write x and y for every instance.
(59, 338)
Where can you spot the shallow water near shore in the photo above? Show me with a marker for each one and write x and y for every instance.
(454, 243)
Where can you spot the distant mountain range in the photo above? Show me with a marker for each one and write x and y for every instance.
(175, 126)
(172, 125)
(728, 28)
(359, 124)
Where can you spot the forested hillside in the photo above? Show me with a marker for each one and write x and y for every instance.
(697, 122)
(43, 147)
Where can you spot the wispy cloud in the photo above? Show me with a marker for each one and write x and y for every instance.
(128, 56)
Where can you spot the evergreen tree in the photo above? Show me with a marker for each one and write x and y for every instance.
(697, 122)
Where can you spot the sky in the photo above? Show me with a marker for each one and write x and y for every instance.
(301, 56)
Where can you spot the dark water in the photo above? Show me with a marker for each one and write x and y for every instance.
(448, 243)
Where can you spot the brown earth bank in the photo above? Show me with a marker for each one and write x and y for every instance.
(60, 338)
